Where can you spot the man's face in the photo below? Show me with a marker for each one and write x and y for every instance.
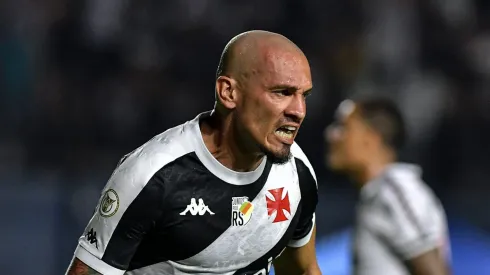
(272, 104)
(346, 139)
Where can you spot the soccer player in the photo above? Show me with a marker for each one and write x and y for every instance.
(400, 225)
(228, 192)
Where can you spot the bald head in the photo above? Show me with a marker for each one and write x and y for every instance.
(262, 81)
(247, 53)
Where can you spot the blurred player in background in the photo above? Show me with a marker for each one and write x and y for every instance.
(228, 192)
(400, 225)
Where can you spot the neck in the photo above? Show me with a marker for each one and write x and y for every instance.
(224, 144)
(372, 169)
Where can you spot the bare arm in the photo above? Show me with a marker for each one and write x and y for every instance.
(429, 263)
(78, 267)
(298, 261)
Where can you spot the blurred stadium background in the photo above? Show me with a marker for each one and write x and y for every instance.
(85, 81)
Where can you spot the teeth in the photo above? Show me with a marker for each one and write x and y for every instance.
(290, 128)
(284, 134)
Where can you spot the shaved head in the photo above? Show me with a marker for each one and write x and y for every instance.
(261, 84)
(246, 54)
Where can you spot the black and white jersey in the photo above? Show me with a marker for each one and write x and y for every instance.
(171, 208)
(398, 218)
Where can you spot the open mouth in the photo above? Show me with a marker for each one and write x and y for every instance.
(286, 132)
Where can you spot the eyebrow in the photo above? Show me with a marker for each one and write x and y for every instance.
(288, 87)
(283, 87)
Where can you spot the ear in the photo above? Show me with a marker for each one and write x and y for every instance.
(226, 92)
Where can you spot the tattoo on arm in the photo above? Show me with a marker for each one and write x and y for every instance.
(78, 267)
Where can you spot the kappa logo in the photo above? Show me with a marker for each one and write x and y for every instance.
(196, 209)
(92, 237)
(109, 203)
(277, 204)
(241, 211)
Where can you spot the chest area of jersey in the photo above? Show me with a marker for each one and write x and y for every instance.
(229, 226)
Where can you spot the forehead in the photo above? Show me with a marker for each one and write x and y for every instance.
(286, 68)
(345, 111)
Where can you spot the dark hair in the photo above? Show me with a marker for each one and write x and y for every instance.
(384, 117)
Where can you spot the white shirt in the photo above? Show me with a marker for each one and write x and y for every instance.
(398, 218)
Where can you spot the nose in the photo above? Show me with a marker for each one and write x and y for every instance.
(297, 107)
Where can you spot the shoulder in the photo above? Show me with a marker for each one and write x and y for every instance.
(302, 162)
(415, 221)
(404, 189)
(404, 181)
(138, 167)
(301, 158)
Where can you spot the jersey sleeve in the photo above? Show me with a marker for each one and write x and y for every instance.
(129, 207)
(414, 221)
(309, 200)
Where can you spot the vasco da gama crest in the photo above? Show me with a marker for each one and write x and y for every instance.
(109, 203)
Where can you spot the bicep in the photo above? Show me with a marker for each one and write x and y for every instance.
(77, 267)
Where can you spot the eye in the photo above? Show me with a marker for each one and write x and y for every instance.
(306, 94)
(283, 92)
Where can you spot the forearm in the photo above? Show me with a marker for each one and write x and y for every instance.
(78, 267)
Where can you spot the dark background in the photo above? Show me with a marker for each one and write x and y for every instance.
(83, 82)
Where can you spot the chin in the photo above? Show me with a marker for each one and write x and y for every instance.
(280, 156)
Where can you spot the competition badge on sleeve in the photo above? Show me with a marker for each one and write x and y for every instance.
(109, 203)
